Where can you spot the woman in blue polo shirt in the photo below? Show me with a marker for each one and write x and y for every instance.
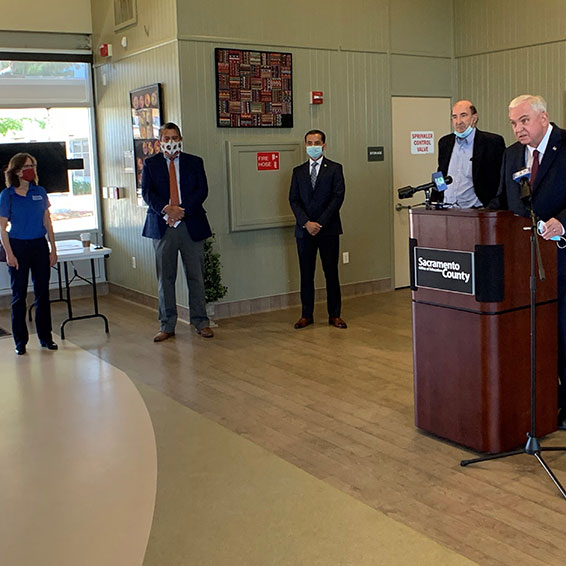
(25, 206)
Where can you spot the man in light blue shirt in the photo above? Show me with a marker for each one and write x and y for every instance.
(471, 157)
(461, 190)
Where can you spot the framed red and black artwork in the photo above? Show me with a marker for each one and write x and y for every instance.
(254, 89)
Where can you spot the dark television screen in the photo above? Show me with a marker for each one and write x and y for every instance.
(52, 163)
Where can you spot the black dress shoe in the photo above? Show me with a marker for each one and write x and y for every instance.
(20, 350)
(49, 345)
(562, 419)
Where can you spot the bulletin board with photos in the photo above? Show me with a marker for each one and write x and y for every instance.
(145, 103)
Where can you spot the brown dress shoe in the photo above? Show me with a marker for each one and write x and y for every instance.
(302, 322)
(205, 332)
(337, 322)
(160, 336)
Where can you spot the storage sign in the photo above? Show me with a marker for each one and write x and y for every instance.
(268, 161)
(422, 142)
(447, 270)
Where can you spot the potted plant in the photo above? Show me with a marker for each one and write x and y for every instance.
(213, 288)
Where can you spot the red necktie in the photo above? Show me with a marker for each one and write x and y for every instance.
(534, 166)
(173, 189)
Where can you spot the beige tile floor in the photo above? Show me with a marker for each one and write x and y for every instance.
(83, 455)
(79, 463)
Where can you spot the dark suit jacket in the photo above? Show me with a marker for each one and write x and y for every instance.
(549, 190)
(194, 190)
(486, 162)
(322, 204)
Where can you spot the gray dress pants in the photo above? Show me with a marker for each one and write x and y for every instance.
(167, 249)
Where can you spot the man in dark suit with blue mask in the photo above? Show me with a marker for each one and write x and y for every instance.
(174, 187)
(316, 195)
(540, 147)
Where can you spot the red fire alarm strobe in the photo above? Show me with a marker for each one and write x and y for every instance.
(317, 97)
(106, 50)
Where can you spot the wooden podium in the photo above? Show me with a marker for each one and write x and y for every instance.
(470, 274)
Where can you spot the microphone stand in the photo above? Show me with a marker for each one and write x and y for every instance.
(532, 447)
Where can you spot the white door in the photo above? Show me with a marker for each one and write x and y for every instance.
(415, 158)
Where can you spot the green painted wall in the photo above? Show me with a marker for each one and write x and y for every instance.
(123, 218)
(359, 54)
(507, 48)
(55, 16)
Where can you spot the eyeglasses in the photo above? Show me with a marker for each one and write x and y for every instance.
(172, 138)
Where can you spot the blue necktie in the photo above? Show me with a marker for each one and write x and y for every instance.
(313, 174)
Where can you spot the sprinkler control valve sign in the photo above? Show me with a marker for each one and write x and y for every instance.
(422, 142)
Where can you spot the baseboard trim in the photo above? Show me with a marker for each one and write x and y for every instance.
(261, 304)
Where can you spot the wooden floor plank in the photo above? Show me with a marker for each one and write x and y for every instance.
(339, 404)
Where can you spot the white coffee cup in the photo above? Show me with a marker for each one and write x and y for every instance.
(85, 239)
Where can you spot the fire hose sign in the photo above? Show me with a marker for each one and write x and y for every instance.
(268, 161)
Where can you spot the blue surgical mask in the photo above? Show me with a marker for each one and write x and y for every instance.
(314, 151)
(465, 133)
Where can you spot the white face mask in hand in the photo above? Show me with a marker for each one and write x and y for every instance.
(171, 148)
(560, 240)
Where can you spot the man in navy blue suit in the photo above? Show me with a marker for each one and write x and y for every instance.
(174, 187)
(541, 147)
(316, 195)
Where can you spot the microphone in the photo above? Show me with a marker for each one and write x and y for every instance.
(408, 191)
(405, 192)
(433, 184)
(522, 174)
(523, 177)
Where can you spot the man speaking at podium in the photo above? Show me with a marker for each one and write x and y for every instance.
(541, 148)
(471, 157)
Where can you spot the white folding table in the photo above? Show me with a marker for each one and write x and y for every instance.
(69, 251)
